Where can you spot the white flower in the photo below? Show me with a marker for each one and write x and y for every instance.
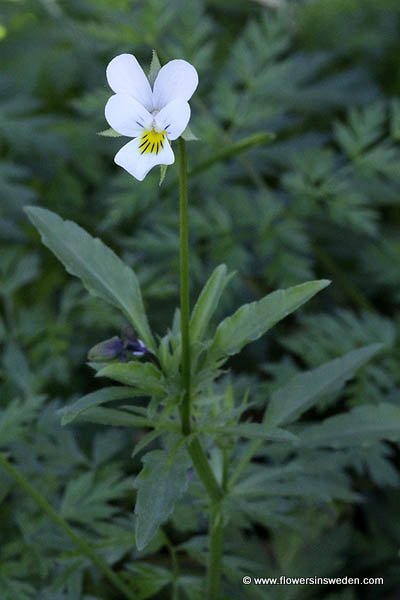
(152, 117)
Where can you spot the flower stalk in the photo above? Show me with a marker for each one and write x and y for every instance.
(195, 449)
(184, 287)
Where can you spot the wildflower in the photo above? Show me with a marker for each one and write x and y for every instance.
(152, 117)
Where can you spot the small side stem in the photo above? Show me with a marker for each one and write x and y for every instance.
(175, 567)
(349, 288)
(80, 543)
(244, 461)
(233, 148)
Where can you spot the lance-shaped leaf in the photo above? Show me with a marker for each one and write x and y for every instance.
(305, 389)
(324, 488)
(101, 271)
(109, 133)
(160, 484)
(257, 431)
(207, 302)
(252, 320)
(362, 426)
(142, 376)
(111, 416)
(97, 398)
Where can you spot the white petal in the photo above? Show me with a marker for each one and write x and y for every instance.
(173, 118)
(127, 116)
(177, 80)
(137, 164)
(126, 76)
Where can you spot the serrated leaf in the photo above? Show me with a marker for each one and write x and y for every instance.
(17, 416)
(143, 376)
(160, 484)
(207, 302)
(89, 497)
(71, 412)
(109, 133)
(148, 580)
(362, 426)
(253, 320)
(102, 273)
(305, 389)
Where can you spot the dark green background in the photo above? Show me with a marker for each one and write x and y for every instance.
(321, 201)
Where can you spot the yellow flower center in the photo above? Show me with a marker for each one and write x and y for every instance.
(152, 142)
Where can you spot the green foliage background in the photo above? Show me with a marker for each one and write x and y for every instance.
(322, 200)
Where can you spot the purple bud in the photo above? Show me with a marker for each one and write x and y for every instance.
(107, 350)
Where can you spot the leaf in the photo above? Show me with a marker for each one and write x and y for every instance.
(18, 371)
(91, 497)
(207, 302)
(155, 67)
(163, 172)
(362, 426)
(145, 440)
(252, 320)
(189, 136)
(305, 389)
(161, 482)
(143, 376)
(17, 417)
(111, 416)
(258, 431)
(322, 488)
(101, 271)
(109, 133)
(71, 412)
(147, 579)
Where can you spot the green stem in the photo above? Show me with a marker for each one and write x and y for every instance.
(215, 553)
(204, 471)
(196, 452)
(225, 469)
(175, 567)
(185, 290)
(80, 543)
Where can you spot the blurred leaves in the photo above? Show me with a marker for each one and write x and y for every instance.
(321, 201)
